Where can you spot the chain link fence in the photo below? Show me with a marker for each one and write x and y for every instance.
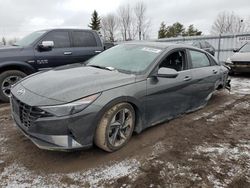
(224, 44)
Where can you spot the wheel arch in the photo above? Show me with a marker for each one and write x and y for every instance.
(126, 99)
(17, 65)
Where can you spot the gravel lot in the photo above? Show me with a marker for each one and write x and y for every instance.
(206, 148)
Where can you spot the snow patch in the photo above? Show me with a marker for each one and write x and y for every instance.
(19, 176)
(240, 86)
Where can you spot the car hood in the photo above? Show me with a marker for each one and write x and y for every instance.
(70, 84)
(10, 48)
(8, 52)
(241, 56)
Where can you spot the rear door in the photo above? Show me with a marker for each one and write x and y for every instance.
(61, 54)
(85, 45)
(206, 76)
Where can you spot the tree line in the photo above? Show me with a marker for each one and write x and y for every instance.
(177, 29)
(129, 22)
(132, 23)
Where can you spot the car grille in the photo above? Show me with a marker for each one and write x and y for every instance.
(241, 63)
(27, 114)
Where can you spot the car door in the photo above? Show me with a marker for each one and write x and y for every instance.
(169, 97)
(85, 45)
(60, 54)
(205, 74)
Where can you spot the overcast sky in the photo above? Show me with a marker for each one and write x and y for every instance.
(20, 17)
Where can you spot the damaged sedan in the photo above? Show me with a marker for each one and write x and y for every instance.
(123, 90)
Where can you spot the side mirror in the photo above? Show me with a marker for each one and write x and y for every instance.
(167, 73)
(235, 50)
(46, 45)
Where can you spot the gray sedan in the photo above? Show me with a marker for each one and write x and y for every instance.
(125, 89)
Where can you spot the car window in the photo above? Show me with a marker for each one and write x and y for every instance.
(175, 60)
(84, 39)
(203, 44)
(128, 58)
(245, 48)
(29, 39)
(199, 59)
(196, 44)
(207, 44)
(60, 39)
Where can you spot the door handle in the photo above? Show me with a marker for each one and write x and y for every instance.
(98, 51)
(187, 78)
(67, 53)
(215, 71)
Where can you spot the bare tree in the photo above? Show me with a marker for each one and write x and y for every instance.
(126, 21)
(142, 23)
(227, 22)
(145, 30)
(4, 41)
(109, 25)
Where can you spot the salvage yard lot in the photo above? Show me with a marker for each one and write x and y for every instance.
(206, 148)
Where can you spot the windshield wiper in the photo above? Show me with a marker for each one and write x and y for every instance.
(102, 67)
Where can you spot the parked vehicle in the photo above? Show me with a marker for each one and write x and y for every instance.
(204, 45)
(127, 88)
(240, 61)
(45, 49)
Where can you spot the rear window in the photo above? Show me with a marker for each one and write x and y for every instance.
(84, 39)
(199, 59)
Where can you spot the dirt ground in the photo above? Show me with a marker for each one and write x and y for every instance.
(206, 148)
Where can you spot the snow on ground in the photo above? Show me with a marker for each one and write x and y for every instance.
(16, 175)
(240, 85)
(224, 154)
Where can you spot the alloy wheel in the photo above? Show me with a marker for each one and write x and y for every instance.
(120, 127)
(8, 82)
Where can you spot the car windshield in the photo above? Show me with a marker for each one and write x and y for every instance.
(128, 58)
(245, 48)
(29, 39)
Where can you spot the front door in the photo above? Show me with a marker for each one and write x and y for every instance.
(169, 97)
(60, 54)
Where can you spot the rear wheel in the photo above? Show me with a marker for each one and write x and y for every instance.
(116, 127)
(7, 79)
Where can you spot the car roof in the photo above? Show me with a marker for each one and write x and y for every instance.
(64, 29)
(161, 45)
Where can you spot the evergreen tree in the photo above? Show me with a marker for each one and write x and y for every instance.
(95, 23)
(162, 31)
(191, 31)
(175, 30)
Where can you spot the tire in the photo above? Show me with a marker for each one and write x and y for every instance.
(231, 73)
(110, 125)
(7, 79)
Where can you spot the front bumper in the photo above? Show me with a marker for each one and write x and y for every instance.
(241, 68)
(53, 142)
(59, 133)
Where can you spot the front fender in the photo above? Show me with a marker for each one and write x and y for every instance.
(136, 105)
(17, 65)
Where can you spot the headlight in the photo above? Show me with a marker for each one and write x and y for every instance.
(70, 108)
(228, 61)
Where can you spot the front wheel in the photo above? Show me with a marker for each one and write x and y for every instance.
(115, 127)
(7, 79)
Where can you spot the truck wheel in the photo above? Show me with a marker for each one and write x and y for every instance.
(115, 127)
(7, 79)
